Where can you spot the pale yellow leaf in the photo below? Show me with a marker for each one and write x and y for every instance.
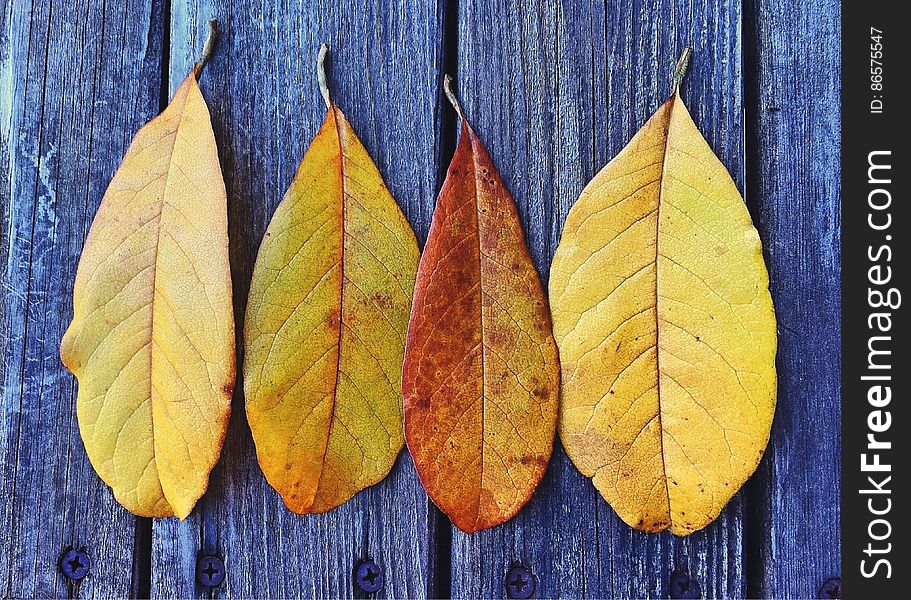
(152, 336)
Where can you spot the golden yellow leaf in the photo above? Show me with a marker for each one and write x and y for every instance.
(325, 326)
(662, 313)
(152, 336)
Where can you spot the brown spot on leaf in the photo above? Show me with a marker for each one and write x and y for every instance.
(534, 459)
(382, 301)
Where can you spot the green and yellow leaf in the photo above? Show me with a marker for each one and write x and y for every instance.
(325, 327)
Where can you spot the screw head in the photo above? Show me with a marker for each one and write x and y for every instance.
(684, 586)
(210, 570)
(520, 582)
(831, 588)
(368, 576)
(75, 564)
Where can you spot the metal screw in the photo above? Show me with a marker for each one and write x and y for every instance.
(684, 586)
(210, 570)
(520, 582)
(75, 564)
(831, 588)
(368, 576)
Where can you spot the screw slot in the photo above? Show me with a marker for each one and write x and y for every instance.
(684, 586)
(75, 564)
(520, 582)
(368, 576)
(831, 588)
(210, 571)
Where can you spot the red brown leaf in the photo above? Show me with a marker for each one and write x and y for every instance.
(481, 374)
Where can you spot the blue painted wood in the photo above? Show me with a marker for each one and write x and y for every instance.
(262, 92)
(76, 82)
(555, 89)
(794, 113)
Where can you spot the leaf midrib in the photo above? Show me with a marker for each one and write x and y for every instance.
(474, 178)
(152, 344)
(667, 131)
(341, 298)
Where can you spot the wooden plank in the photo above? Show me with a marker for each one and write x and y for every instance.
(795, 125)
(76, 82)
(262, 91)
(555, 89)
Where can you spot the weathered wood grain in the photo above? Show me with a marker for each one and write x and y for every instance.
(794, 114)
(261, 88)
(555, 89)
(76, 82)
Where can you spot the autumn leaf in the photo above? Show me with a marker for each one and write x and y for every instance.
(666, 329)
(481, 376)
(152, 336)
(325, 325)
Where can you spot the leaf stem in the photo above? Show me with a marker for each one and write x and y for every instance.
(453, 99)
(208, 48)
(321, 74)
(680, 70)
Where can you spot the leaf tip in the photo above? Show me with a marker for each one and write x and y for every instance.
(450, 94)
(208, 48)
(321, 74)
(680, 69)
